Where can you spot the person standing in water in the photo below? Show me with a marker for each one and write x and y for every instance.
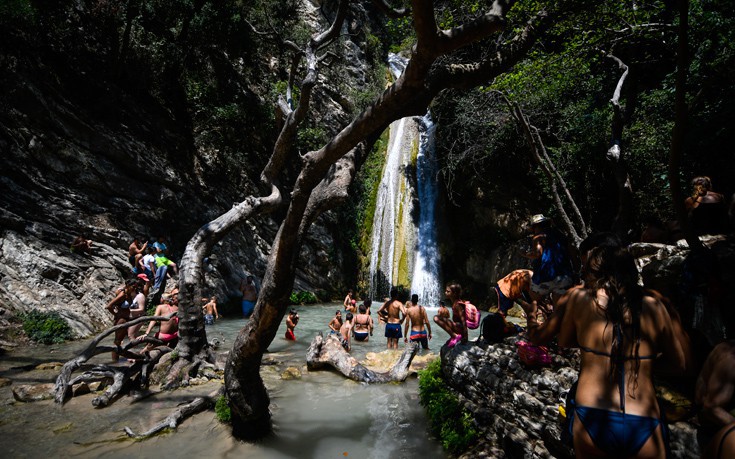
(291, 321)
(210, 311)
(346, 331)
(363, 323)
(417, 323)
(336, 323)
(249, 296)
(394, 312)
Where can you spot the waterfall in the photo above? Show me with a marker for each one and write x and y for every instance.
(425, 280)
(404, 248)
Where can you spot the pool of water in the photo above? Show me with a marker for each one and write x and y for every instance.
(322, 414)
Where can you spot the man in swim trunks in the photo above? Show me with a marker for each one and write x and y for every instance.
(418, 323)
(715, 391)
(346, 331)
(336, 323)
(249, 296)
(291, 321)
(395, 313)
(363, 328)
(210, 311)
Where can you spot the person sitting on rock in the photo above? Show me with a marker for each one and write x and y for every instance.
(551, 261)
(136, 251)
(346, 331)
(457, 326)
(169, 329)
(707, 209)
(336, 323)
(147, 263)
(162, 257)
(620, 331)
(81, 245)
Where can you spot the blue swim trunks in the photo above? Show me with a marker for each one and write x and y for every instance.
(247, 307)
(393, 331)
(420, 337)
(208, 319)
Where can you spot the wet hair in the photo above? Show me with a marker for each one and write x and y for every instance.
(415, 299)
(367, 303)
(362, 308)
(393, 293)
(349, 317)
(700, 186)
(338, 312)
(442, 303)
(613, 270)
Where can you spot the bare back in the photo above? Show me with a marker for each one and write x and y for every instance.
(417, 315)
(584, 325)
(394, 312)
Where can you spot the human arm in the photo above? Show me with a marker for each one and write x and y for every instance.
(537, 248)
(151, 324)
(540, 334)
(216, 313)
(406, 329)
(115, 301)
(719, 387)
(426, 321)
(370, 323)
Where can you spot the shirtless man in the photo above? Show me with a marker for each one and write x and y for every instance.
(516, 286)
(394, 313)
(363, 324)
(715, 390)
(249, 296)
(210, 311)
(346, 331)
(291, 321)
(169, 329)
(336, 322)
(418, 323)
(135, 251)
(457, 327)
(349, 302)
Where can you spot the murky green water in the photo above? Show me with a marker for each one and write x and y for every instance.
(321, 415)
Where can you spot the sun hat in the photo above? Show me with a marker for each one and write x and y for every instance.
(144, 277)
(538, 219)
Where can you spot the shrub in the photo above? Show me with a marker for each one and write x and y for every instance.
(47, 327)
(302, 297)
(222, 410)
(448, 420)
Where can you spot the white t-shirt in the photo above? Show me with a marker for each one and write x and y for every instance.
(148, 259)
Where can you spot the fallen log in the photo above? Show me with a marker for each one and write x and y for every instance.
(325, 353)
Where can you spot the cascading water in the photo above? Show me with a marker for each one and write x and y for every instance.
(404, 249)
(425, 280)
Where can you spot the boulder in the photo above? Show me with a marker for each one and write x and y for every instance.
(33, 393)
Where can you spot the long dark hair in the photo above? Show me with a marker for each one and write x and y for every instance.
(613, 270)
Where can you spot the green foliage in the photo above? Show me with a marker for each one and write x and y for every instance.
(46, 327)
(303, 297)
(222, 410)
(310, 139)
(16, 10)
(449, 421)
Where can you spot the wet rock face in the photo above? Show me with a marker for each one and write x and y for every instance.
(516, 408)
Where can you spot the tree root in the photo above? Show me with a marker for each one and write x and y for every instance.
(173, 420)
(63, 386)
(326, 353)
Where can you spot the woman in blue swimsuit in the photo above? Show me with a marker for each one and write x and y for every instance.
(620, 331)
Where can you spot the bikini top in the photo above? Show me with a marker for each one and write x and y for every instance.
(617, 329)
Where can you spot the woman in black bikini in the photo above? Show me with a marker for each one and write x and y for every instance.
(119, 307)
(620, 330)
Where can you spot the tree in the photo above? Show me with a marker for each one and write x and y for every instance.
(326, 173)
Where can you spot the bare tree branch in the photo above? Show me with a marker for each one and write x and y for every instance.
(393, 13)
